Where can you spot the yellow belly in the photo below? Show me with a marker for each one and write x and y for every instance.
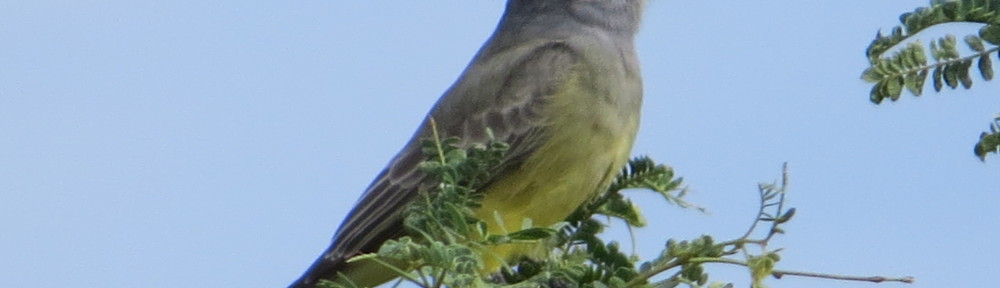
(590, 142)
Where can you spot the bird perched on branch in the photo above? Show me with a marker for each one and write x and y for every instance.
(558, 81)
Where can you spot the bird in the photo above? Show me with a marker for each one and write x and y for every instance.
(559, 81)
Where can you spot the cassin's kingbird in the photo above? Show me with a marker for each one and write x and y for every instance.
(559, 82)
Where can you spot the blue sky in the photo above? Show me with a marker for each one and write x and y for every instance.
(196, 144)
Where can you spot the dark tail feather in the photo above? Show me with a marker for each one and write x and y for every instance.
(321, 269)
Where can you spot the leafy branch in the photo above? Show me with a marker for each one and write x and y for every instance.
(445, 239)
(908, 67)
(690, 256)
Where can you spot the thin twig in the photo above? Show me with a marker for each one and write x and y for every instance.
(653, 271)
(938, 63)
(781, 204)
(440, 280)
(778, 273)
(875, 279)
(423, 277)
(760, 212)
(437, 140)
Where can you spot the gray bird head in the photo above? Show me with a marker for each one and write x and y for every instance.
(620, 16)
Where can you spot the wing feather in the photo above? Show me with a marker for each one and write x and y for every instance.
(506, 90)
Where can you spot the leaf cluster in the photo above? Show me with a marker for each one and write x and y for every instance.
(689, 257)
(989, 142)
(581, 236)
(640, 173)
(909, 66)
(448, 213)
(444, 238)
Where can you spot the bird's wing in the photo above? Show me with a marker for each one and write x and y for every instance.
(506, 91)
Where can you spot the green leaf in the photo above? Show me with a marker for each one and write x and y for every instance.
(916, 51)
(787, 216)
(950, 10)
(947, 47)
(963, 73)
(938, 76)
(911, 83)
(921, 80)
(951, 75)
(760, 268)
(622, 208)
(989, 142)
(876, 95)
(936, 51)
(986, 67)
(532, 234)
(871, 75)
(990, 33)
(894, 87)
(975, 43)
